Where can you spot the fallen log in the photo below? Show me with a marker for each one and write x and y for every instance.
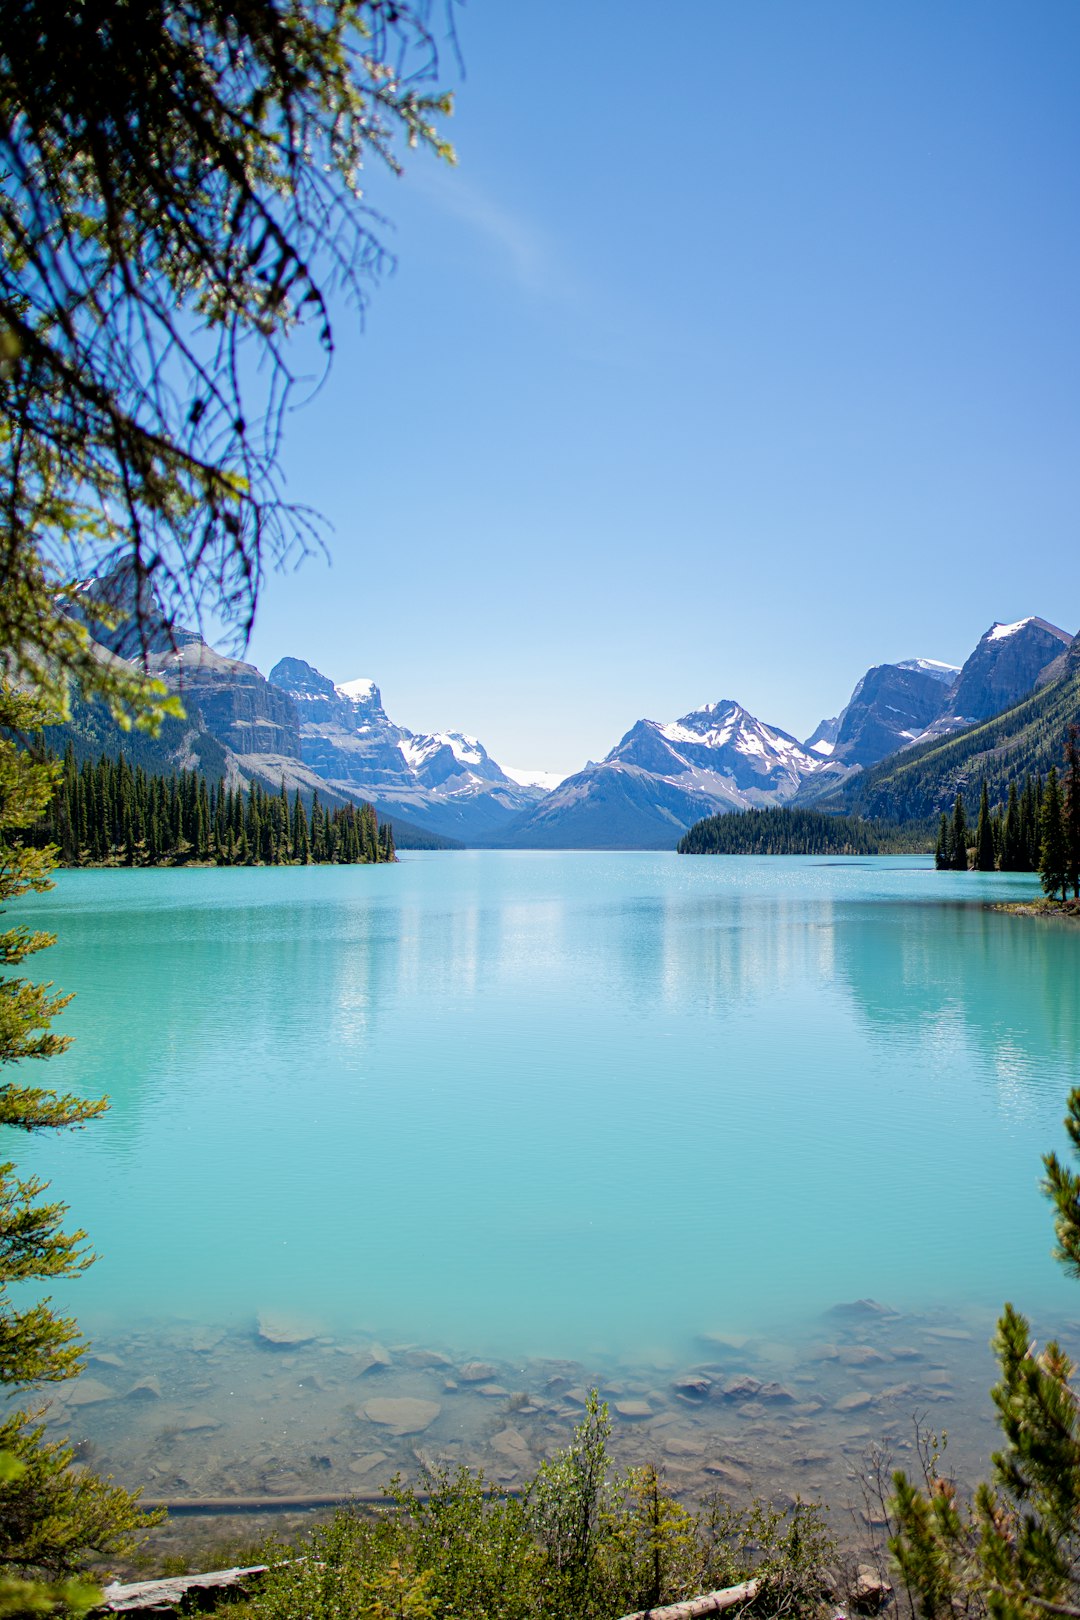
(728, 1597)
(179, 1591)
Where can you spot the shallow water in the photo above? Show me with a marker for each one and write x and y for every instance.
(524, 1106)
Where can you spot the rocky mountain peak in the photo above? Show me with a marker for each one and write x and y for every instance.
(351, 705)
(1004, 667)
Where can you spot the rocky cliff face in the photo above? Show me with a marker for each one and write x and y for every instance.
(891, 706)
(446, 780)
(1004, 668)
(236, 703)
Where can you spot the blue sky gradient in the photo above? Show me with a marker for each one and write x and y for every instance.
(740, 352)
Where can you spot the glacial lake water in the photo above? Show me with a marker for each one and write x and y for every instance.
(544, 1110)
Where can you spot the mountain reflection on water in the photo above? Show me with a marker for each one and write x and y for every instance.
(576, 1105)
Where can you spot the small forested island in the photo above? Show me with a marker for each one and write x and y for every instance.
(801, 832)
(111, 813)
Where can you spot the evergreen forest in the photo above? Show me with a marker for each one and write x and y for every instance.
(111, 813)
(1037, 829)
(801, 832)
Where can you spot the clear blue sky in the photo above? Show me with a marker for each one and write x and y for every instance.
(740, 352)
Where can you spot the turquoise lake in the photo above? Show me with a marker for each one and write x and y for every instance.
(558, 1105)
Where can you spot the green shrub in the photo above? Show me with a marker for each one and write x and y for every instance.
(578, 1544)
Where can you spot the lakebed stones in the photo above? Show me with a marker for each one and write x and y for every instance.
(104, 1358)
(401, 1414)
(728, 1476)
(854, 1402)
(88, 1392)
(869, 1592)
(372, 1358)
(513, 1448)
(860, 1355)
(368, 1463)
(415, 1356)
(633, 1410)
(862, 1310)
(683, 1445)
(692, 1387)
(281, 1332)
(478, 1372)
(147, 1389)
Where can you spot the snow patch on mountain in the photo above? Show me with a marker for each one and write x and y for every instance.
(1001, 632)
(933, 666)
(548, 780)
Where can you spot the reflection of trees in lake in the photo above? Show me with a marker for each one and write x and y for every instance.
(937, 974)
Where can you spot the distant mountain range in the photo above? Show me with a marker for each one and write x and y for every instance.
(881, 754)
(661, 778)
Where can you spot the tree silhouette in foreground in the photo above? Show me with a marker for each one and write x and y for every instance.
(1014, 1552)
(52, 1520)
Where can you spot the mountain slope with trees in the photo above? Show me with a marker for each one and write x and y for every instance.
(923, 781)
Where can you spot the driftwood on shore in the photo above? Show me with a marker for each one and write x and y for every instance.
(179, 1591)
(728, 1597)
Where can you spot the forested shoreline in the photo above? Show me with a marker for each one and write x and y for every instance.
(111, 813)
(801, 832)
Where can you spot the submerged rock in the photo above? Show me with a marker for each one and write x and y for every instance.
(88, 1392)
(742, 1388)
(282, 1331)
(147, 1389)
(199, 1423)
(417, 1357)
(865, 1308)
(401, 1414)
(372, 1358)
(683, 1445)
(853, 1402)
(692, 1386)
(365, 1464)
(514, 1448)
(736, 1479)
(633, 1409)
(859, 1355)
(478, 1372)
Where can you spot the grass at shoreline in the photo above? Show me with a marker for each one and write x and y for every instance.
(1069, 910)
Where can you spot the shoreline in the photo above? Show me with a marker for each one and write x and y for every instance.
(1067, 910)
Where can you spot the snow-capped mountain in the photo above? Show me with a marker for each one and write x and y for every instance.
(1005, 666)
(663, 776)
(891, 706)
(446, 780)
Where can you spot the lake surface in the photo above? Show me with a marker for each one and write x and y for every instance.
(590, 1107)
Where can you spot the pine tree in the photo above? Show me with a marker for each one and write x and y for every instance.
(959, 836)
(985, 860)
(943, 851)
(1053, 851)
(300, 842)
(1012, 842)
(1012, 1554)
(52, 1520)
(1072, 811)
